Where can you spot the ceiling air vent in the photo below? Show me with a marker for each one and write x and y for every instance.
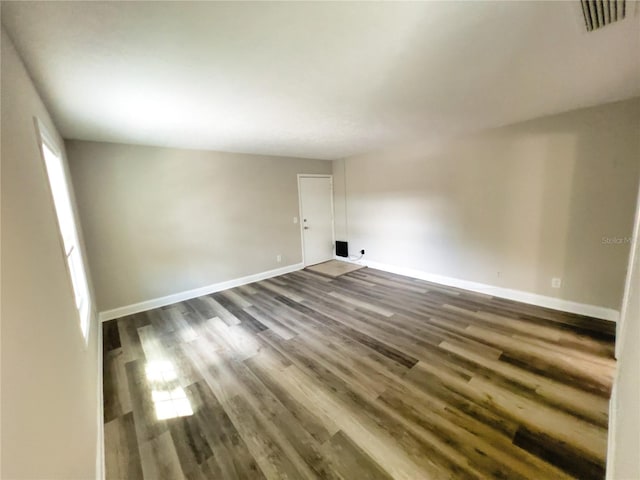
(598, 13)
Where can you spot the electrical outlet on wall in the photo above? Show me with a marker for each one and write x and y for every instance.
(556, 282)
(278, 258)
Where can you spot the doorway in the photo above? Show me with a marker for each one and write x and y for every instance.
(316, 218)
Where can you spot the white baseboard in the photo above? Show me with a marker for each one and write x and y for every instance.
(100, 458)
(196, 292)
(611, 433)
(517, 295)
(510, 294)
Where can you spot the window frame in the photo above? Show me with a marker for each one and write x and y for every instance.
(84, 307)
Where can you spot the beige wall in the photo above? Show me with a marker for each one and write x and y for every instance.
(50, 408)
(160, 221)
(625, 423)
(511, 207)
(339, 201)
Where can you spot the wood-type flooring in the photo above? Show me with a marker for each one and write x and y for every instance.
(369, 375)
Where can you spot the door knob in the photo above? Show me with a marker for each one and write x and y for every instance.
(306, 228)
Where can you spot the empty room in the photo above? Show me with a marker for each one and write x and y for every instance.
(303, 240)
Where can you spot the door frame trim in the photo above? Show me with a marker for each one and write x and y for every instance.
(300, 222)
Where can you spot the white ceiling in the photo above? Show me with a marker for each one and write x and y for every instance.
(323, 80)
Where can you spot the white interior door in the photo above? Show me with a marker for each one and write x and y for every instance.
(316, 211)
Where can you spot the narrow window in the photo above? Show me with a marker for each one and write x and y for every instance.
(66, 223)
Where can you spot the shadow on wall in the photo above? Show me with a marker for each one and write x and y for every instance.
(602, 209)
(512, 207)
(158, 221)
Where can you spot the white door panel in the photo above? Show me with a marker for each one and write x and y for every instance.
(316, 209)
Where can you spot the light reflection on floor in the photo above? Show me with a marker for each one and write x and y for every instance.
(169, 398)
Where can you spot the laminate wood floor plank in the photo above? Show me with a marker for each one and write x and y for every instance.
(117, 400)
(230, 456)
(351, 461)
(122, 459)
(368, 375)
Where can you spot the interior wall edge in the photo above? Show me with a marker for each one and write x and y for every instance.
(594, 311)
(100, 450)
(611, 432)
(622, 460)
(194, 293)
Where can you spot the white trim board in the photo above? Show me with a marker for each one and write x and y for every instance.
(501, 292)
(611, 435)
(196, 292)
(101, 471)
